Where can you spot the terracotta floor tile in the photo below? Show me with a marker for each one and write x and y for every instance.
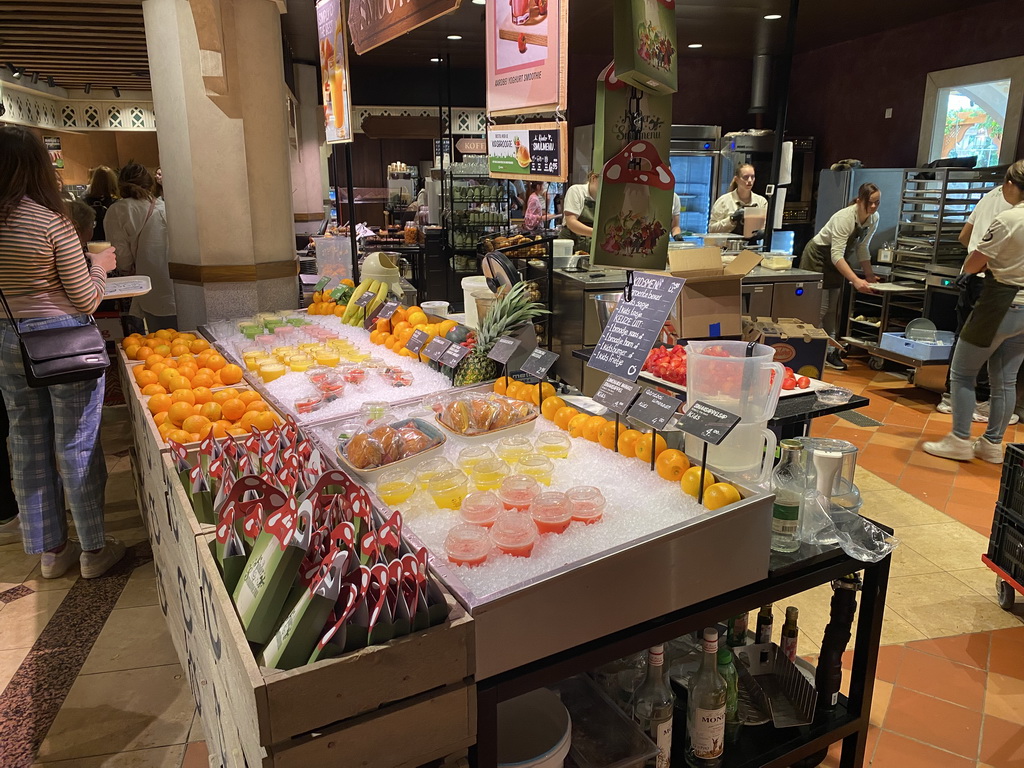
(904, 430)
(857, 436)
(1007, 656)
(943, 679)
(929, 489)
(1004, 698)
(895, 751)
(918, 458)
(907, 442)
(972, 649)
(880, 698)
(883, 458)
(976, 482)
(196, 756)
(970, 514)
(1002, 743)
(906, 417)
(915, 715)
(890, 659)
(983, 498)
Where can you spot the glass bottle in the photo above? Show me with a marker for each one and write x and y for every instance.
(630, 677)
(705, 709)
(738, 630)
(790, 633)
(765, 620)
(788, 486)
(653, 705)
(727, 669)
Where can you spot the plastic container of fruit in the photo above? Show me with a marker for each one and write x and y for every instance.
(434, 434)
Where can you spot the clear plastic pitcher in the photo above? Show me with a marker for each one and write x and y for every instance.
(721, 374)
(747, 453)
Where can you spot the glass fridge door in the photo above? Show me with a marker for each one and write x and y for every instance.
(694, 175)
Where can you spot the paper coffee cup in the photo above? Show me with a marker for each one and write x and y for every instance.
(98, 246)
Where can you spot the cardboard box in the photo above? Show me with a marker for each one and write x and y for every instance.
(710, 304)
(798, 345)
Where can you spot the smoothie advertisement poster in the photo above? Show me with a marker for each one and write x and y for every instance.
(330, 22)
(646, 51)
(527, 56)
(528, 151)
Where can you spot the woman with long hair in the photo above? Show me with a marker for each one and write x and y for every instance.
(729, 211)
(48, 282)
(535, 218)
(100, 195)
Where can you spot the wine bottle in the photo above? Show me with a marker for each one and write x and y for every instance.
(653, 705)
(790, 633)
(765, 620)
(705, 709)
(727, 669)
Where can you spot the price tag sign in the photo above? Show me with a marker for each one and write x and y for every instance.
(436, 348)
(416, 341)
(503, 350)
(616, 395)
(654, 408)
(322, 283)
(453, 355)
(634, 326)
(365, 298)
(388, 310)
(710, 424)
(539, 363)
(371, 318)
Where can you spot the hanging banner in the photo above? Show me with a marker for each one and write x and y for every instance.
(613, 121)
(528, 151)
(527, 56)
(53, 147)
(330, 23)
(375, 22)
(645, 44)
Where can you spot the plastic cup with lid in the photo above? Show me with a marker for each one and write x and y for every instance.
(587, 503)
(467, 545)
(481, 508)
(551, 512)
(514, 533)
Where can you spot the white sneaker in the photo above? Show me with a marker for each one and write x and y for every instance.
(54, 565)
(945, 404)
(10, 532)
(95, 564)
(986, 451)
(981, 414)
(951, 447)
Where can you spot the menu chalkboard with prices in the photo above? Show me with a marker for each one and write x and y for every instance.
(654, 408)
(453, 355)
(616, 395)
(539, 363)
(634, 326)
(708, 423)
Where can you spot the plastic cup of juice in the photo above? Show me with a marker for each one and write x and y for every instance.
(518, 492)
(253, 363)
(285, 331)
(426, 471)
(284, 352)
(537, 466)
(488, 474)
(587, 503)
(467, 545)
(514, 533)
(480, 508)
(250, 356)
(551, 512)
(245, 325)
(266, 340)
(472, 455)
(330, 358)
(270, 371)
(296, 322)
(513, 448)
(396, 486)
(252, 332)
(554, 445)
(448, 488)
(377, 410)
(299, 363)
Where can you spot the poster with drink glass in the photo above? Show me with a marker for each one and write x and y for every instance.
(527, 56)
(330, 22)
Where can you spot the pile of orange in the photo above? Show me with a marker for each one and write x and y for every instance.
(395, 332)
(160, 375)
(187, 415)
(322, 304)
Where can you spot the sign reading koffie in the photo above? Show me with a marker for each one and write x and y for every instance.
(708, 423)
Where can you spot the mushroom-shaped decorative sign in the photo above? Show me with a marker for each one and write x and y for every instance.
(629, 224)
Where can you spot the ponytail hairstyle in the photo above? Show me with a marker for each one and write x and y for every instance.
(26, 171)
(135, 182)
(867, 189)
(735, 176)
(1015, 175)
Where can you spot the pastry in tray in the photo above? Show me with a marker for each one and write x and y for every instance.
(472, 414)
(383, 445)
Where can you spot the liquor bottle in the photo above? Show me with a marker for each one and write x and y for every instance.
(790, 634)
(788, 486)
(705, 709)
(727, 669)
(765, 620)
(652, 707)
(738, 630)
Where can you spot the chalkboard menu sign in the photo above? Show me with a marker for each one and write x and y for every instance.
(708, 423)
(539, 363)
(654, 408)
(503, 350)
(453, 355)
(616, 395)
(437, 347)
(634, 326)
(416, 341)
(528, 151)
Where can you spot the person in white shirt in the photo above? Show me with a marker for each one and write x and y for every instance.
(677, 209)
(578, 213)
(845, 236)
(994, 332)
(729, 210)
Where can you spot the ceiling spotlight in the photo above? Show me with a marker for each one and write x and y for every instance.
(88, 87)
(51, 82)
(15, 72)
(35, 78)
(454, 37)
(435, 60)
(117, 92)
(773, 16)
(695, 45)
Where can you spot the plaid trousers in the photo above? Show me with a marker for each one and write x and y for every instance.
(55, 446)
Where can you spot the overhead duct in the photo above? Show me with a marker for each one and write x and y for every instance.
(760, 86)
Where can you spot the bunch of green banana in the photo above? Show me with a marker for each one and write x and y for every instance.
(354, 314)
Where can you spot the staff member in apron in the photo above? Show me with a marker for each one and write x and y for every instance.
(846, 235)
(578, 213)
(730, 209)
(994, 332)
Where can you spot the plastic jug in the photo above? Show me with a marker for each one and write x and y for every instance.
(383, 266)
(747, 454)
(720, 373)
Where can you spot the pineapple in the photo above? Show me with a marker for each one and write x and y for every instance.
(507, 315)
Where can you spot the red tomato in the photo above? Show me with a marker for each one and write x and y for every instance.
(788, 384)
(803, 382)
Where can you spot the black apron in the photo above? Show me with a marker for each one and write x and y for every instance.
(989, 310)
(580, 242)
(818, 258)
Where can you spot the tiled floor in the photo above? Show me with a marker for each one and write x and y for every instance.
(949, 689)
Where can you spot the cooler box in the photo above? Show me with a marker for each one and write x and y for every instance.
(939, 350)
(798, 345)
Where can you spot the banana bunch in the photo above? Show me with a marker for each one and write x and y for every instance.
(354, 314)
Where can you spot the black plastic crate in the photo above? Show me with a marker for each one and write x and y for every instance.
(1011, 484)
(1006, 545)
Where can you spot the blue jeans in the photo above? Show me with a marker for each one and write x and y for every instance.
(1004, 357)
(55, 446)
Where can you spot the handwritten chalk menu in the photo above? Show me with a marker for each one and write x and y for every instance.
(436, 348)
(388, 310)
(654, 408)
(539, 363)
(416, 341)
(453, 355)
(503, 350)
(708, 423)
(634, 326)
(616, 395)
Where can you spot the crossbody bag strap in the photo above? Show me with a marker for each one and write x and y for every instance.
(10, 315)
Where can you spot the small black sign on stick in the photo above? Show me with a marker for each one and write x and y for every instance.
(503, 350)
(388, 310)
(436, 348)
(365, 298)
(711, 425)
(656, 410)
(616, 395)
(453, 355)
(539, 363)
(416, 341)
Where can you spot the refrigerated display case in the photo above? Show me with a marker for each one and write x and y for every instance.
(694, 158)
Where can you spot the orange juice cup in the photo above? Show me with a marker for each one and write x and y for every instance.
(513, 448)
(554, 445)
(299, 363)
(480, 508)
(467, 545)
(551, 512)
(426, 471)
(272, 371)
(472, 455)
(514, 533)
(488, 474)
(328, 357)
(537, 466)
(448, 488)
(396, 486)
(518, 492)
(587, 503)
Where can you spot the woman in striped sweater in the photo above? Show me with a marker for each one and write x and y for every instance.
(55, 431)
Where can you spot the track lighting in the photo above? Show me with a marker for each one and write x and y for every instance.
(88, 87)
(15, 72)
(117, 92)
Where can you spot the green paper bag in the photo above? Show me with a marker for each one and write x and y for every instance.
(332, 643)
(646, 52)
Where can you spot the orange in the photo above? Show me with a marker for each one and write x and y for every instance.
(249, 396)
(513, 389)
(398, 317)
(384, 326)
(196, 408)
(609, 434)
(390, 341)
(417, 318)
(160, 418)
(132, 340)
(179, 349)
(179, 412)
(142, 353)
(187, 360)
(220, 428)
(445, 326)
(221, 396)
(210, 410)
(720, 495)
(540, 392)
(186, 372)
(257, 406)
(132, 351)
(202, 395)
(246, 421)
(500, 384)
(375, 336)
(206, 430)
(405, 334)
(179, 436)
(563, 415)
(183, 395)
(593, 427)
(549, 407)
(216, 362)
(643, 447)
(232, 409)
(153, 389)
(671, 464)
(150, 342)
(165, 334)
(167, 375)
(201, 380)
(627, 442)
(165, 429)
(158, 403)
(153, 359)
(576, 424)
(263, 421)
(691, 481)
(162, 349)
(185, 336)
(143, 377)
(235, 431)
(198, 345)
(339, 309)
(194, 423)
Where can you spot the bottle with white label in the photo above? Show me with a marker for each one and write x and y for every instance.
(788, 485)
(653, 705)
(705, 709)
